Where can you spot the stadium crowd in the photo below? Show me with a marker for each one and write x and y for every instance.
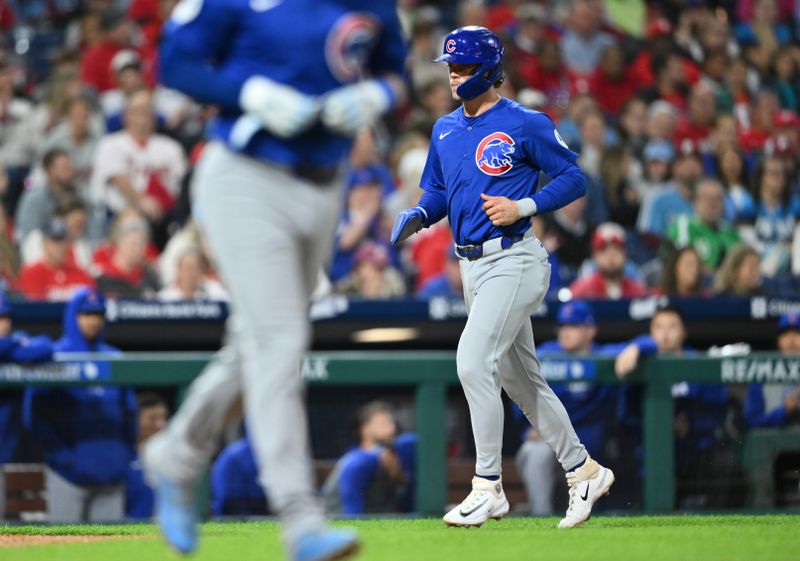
(685, 113)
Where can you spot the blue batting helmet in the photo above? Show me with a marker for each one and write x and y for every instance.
(474, 45)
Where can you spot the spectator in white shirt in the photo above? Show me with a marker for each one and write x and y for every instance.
(139, 168)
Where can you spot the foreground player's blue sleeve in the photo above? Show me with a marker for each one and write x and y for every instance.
(433, 200)
(191, 44)
(755, 413)
(551, 154)
(353, 480)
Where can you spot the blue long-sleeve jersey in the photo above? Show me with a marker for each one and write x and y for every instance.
(211, 48)
(18, 348)
(139, 498)
(757, 415)
(590, 406)
(704, 405)
(357, 472)
(501, 153)
(88, 434)
(235, 489)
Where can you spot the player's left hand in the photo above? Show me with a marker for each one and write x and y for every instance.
(502, 211)
(348, 109)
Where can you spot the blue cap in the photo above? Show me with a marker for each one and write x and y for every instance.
(364, 176)
(92, 303)
(5, 307)
(576, 312)
(788, 322)
(660, 150)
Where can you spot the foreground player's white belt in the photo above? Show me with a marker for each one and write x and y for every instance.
(489, 247)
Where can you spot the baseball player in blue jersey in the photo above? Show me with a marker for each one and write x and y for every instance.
(294, 80)
(482, 172)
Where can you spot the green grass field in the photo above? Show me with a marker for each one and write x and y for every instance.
(704, 538)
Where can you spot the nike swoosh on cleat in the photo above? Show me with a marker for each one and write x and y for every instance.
(462, 513)
(442, 135)
(586, 494)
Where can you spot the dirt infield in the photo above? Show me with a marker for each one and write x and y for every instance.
(22, 540)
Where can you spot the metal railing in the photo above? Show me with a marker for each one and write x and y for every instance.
(430, 374)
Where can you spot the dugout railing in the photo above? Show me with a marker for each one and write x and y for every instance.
(430, 374)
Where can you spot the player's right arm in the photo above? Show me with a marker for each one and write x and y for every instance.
(432, 206)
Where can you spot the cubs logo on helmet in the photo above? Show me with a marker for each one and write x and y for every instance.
(348, 45)
(493, 155)
(450, 47)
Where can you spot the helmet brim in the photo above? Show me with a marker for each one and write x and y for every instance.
(456, 58)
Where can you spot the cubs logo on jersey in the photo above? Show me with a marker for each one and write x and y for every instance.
(493, 155)
(349, 44)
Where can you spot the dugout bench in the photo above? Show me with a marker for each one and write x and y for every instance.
(430, 374)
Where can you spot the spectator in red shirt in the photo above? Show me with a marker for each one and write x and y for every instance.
(104, 252)
(7, 19)
(428, 250)
(521, 52)
(695, 128)
(612, 83)
(55, 277)
(128, 274)
(670, 80)
(755, 137)
(608, 281)
(546, 73)
(96, 68)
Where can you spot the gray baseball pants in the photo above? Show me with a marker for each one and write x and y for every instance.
(269, 233)
(496, 351)
(67, 502)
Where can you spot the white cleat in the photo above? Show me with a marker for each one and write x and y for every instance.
(487, 500)
(586, 484)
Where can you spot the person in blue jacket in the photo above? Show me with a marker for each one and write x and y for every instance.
(378, 474)
(153, 414)
(19, 348)
(700, 413)
(235, 489)
(87, 433)
(776, 405)
(587, 404)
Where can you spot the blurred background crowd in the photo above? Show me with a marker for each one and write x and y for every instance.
(684, 112)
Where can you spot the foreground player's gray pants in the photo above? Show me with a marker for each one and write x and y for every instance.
(269, 233)
(496, 351)
(67, 502)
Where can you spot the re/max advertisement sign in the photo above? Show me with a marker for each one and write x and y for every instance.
(762, 371)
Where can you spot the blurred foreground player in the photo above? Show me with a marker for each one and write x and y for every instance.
(294, 81)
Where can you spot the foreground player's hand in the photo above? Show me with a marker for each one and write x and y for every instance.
(502, 211)
(348, 109)
(283, 111)
(626, 361)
